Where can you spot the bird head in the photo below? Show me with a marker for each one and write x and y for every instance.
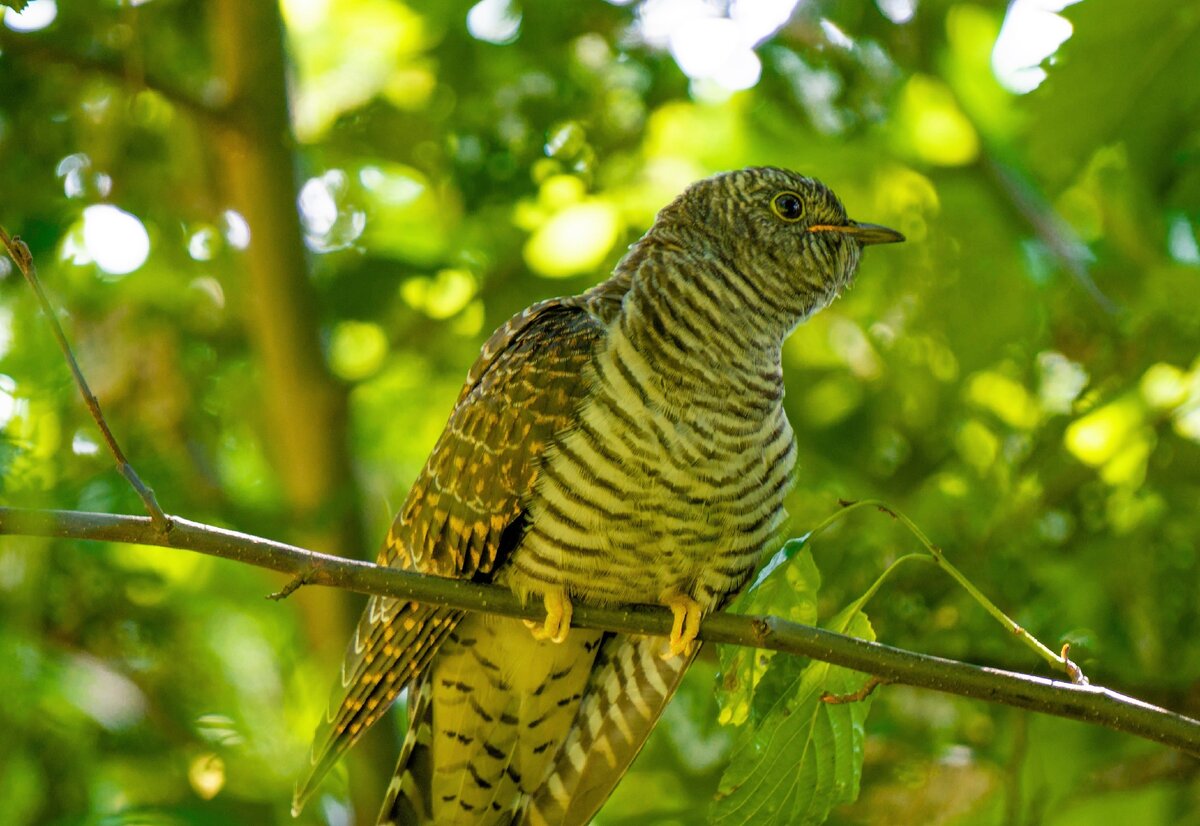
(786, 235)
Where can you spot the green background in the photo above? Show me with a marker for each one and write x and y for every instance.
(1021, 377)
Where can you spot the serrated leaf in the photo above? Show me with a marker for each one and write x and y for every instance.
(15, 5)
(785, 587)
(805, 757)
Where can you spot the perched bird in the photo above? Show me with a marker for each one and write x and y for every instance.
(625, 445)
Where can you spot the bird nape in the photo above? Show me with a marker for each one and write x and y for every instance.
(625, 445)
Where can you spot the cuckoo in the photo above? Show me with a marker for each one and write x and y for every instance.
(625, 445)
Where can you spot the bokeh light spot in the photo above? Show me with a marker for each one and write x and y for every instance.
(898, 11)
(331, 220)
(1098, 436)
(934, 127)
(203, 244)
(357, 349)
(711, 47)
(1006, 398)
(408, 218)
(1164, 386)
(114, 239)
(559, 191)
(237, 231)
(1181, 240)
(575, 240)
(82, 444)
(1060, 381)
(449, 292)
(206, 774)
(977, 445)
(1032, 32)
(36, 16)
(8, 399)
(494, 21)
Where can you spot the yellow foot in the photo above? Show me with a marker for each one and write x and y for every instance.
(558, 618)
(687, 625)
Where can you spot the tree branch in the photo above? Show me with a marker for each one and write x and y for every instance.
(19, 252)
(44, 51)
(1087, 703)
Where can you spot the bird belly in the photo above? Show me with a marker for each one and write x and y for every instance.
(636, 506)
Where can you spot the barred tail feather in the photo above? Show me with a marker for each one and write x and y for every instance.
(626, 693)
(487, 720)
(406, 802)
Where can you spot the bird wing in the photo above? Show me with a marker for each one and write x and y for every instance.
(463, 515)
(627, 690)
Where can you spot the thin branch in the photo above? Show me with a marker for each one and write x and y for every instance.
(1087, 703)
(42, 50)
(19, 252)
(1027, 199)
(1058, 661)
(1058, 236)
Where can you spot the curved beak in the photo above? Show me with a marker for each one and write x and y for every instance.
(863, 233)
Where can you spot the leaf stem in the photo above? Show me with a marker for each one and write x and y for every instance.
(938, 557)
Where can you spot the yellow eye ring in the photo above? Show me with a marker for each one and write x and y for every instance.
(788, 206)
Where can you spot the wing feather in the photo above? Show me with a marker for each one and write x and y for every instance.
(454, 521)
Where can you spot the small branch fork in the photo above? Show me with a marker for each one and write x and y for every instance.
(938, 556)
(1087, 703)
(302, 578)
(868, 688)
(19, 252)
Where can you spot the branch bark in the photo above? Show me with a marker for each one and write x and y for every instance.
(1087, 703)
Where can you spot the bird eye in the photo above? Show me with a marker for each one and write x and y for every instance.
(788, 206)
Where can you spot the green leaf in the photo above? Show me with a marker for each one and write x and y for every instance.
(785, 587)
(806, 755)
(15, 5)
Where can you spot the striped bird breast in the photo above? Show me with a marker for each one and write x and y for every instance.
(655, 493)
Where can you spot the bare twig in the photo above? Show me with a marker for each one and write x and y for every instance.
(19, 252)
(301, 579)
(1073, 671)
(868, 688)
(1087, 703)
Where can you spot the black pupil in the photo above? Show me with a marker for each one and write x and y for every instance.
(789, 206)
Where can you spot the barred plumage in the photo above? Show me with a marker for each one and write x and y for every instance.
(625, 445)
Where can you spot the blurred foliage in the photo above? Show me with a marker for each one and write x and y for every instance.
(1022, 377)
(796, 756)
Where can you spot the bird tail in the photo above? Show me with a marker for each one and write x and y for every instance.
(626, 693)
(394, 642)
(487, 719)
(405, 803)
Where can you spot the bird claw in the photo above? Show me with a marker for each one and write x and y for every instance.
(686, 626)
(558, 618)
